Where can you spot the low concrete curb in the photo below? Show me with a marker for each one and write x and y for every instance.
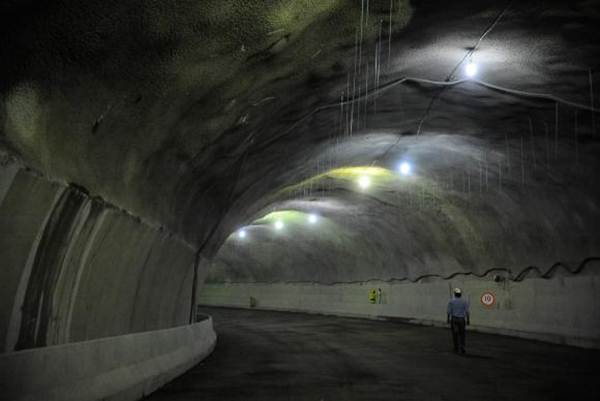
(124, 368)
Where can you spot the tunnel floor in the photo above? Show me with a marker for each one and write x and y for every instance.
(263, 355)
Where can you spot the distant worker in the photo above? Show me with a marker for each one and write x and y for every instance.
(458, 318)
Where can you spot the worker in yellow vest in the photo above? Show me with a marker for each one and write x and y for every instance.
(373, 295)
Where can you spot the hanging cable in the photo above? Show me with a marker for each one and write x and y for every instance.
(468, 55)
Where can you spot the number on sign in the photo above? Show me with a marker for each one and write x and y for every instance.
(488, 299)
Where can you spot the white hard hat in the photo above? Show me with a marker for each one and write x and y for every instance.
(457, 290)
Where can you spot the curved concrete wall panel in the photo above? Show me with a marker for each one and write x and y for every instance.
(114, 368)
(24, 210)
(75, 268)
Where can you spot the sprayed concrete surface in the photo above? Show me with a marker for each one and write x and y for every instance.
(146, 146)
(283, 356)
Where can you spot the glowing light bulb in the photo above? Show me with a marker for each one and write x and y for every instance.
(405, 168)
(312, 219)
(364, 182)
(471, 69)
(242, 233)
(278, 225)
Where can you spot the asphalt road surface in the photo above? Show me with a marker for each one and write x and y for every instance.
(263, 355)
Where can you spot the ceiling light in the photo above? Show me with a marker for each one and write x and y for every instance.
(278, 225)
(364, 182)
(405, 168)
(471, 69)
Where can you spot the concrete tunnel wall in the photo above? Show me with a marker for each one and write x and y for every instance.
(76, 270)
(563, 310)
(529, 224)
(199, 116)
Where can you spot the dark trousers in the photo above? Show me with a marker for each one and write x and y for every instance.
(458, 333)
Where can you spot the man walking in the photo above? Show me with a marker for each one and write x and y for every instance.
(458, 317)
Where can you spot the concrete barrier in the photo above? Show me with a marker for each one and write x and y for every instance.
(563, 310)
(124, 367)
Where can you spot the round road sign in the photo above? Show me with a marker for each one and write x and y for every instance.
(488, 299)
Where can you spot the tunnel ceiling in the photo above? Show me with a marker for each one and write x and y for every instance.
(204, 116)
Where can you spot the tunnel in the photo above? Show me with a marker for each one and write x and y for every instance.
(287, 200)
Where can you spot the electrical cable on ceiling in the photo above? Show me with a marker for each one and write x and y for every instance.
(446, 83)
(404, 80)
(483, 35)
(510, 91)
(468, 55)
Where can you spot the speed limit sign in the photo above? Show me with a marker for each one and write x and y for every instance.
(488, 299)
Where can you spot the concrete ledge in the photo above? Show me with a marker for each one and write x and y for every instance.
(562, 310)
(114, 368)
